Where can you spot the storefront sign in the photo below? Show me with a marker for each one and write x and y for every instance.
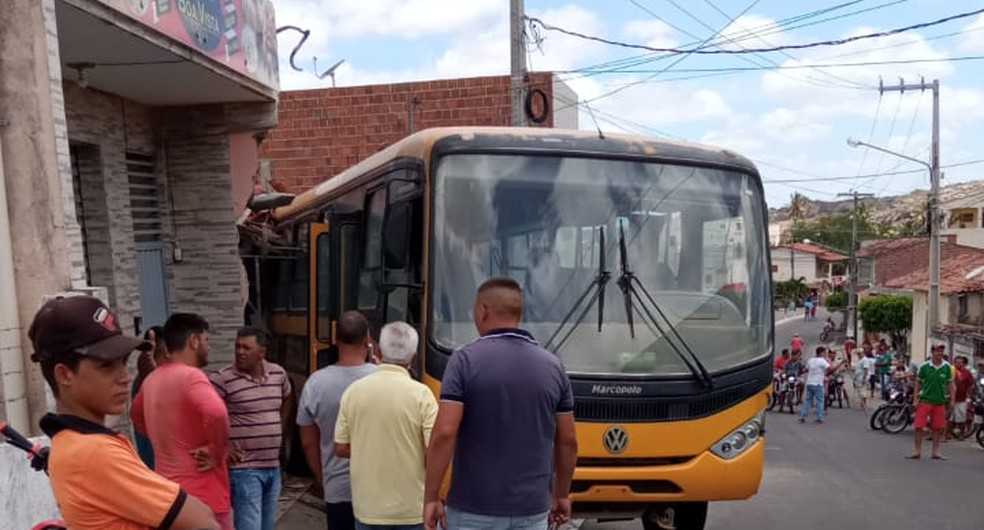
(240, 34)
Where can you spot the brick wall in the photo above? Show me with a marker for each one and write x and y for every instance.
(322, 132)
(104, 127)
(208, 280)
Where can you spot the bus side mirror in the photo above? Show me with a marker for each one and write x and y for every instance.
(396, 236)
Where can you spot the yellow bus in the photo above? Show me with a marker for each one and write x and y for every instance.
(644, 267)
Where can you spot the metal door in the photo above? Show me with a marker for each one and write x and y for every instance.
(153, 285)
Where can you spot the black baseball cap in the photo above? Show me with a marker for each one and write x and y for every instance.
(83, 325)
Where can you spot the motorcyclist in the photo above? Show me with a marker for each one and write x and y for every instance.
(796, 368)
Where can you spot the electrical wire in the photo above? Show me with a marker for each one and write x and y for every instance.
(908, 137)
(871, 135)
(732, 69)
(684, 55)
(749, 33)
(701, 50)
(850, 83)
(891, 130)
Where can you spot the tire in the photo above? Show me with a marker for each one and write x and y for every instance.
(896, 419)
(875, 422)
(980, 436)
(773, 398)
(790, 400)
(686, 516)
(962, 431)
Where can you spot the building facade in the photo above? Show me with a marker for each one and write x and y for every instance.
(129, 146)
(324, 131)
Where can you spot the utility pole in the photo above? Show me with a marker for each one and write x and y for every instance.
(517, 23)
(852, 292)
(934, 201)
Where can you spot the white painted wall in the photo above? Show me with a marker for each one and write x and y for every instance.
(565, 108)
(804, 265)
(25, 495)
(971, 237)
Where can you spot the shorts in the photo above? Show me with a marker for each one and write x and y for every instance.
(960, 412)
(934, 415)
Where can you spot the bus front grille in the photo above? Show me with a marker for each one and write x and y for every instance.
(648, 409)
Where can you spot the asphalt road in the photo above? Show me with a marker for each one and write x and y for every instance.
(841, 475)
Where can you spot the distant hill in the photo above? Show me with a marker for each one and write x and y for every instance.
(886, 209)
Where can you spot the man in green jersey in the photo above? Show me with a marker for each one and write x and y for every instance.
(934, 389)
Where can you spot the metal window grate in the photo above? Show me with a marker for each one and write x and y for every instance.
(146, 198)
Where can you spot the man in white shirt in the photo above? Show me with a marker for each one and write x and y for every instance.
(817, 369)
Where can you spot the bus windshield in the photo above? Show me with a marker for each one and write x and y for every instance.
(692, 238)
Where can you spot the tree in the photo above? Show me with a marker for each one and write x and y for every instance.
(891, 314)
(791, 290)
(835, 300)
(834, 231)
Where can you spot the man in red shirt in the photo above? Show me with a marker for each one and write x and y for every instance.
(797, 343)
(781, 361)
(185, 419)
(848, 348)
(963, 383)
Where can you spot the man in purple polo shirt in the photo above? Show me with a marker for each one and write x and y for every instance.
(256, 394)
(506, 414)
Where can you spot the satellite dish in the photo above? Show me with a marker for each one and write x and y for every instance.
(328, 72)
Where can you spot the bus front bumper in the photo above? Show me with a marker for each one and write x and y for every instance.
(614, 492)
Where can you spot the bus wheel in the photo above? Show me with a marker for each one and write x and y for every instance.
(676, 516)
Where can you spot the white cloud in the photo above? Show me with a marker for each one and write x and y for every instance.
(807, 83)
(788, 126)
(752, 31)
(973, 38)
(652, 33)
(400, 18)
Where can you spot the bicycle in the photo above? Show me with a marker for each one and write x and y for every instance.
(38, 456)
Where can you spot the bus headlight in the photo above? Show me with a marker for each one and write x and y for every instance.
(740, 439)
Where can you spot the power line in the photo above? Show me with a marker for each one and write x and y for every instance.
(871, 134)
(700, 51)
(870, 175)
(684, 55)
(749, 33)
(730, 69)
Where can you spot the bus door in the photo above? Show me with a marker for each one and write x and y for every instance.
(334, 264)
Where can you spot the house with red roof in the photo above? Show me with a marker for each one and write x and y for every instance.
(817, 265)
(902, 266)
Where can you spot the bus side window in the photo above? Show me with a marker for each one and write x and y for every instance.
(373, 248)
(348, 258)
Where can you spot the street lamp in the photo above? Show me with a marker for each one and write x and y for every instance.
(934, 228)
(858, 143)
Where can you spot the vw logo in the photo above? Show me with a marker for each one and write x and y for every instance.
(616, 440)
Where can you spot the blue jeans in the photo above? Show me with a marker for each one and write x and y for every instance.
(255, 493)
(458, 520)
(360, 526)
(814, 396)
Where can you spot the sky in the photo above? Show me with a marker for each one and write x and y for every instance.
(784, 110)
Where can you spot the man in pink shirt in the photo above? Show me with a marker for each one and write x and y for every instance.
(185, 419)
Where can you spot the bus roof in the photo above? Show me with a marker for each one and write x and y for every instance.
(533, 139)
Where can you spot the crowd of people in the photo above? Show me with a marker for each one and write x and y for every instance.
(942, 393)
(378, 442)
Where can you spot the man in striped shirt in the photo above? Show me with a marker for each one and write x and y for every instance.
(256, 394)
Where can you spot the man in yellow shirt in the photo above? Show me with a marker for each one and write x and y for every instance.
(384, 424)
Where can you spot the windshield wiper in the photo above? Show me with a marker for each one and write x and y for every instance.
(597, 286)
(628, 282)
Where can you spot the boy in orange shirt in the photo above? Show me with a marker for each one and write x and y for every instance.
(97, 477)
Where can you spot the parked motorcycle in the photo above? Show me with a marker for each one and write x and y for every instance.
(783, 392)
(836, 392)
